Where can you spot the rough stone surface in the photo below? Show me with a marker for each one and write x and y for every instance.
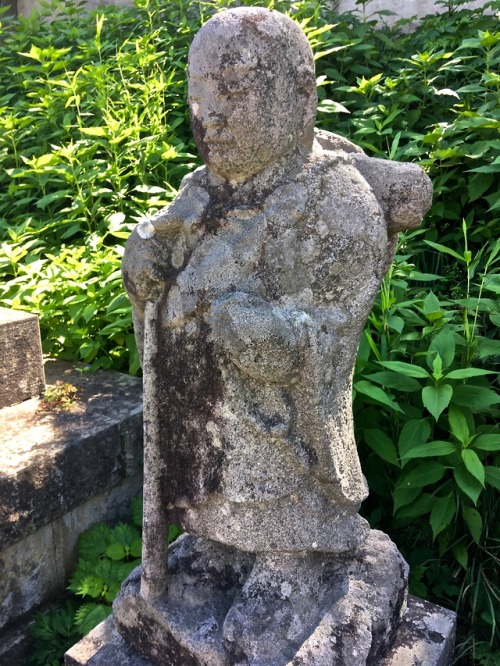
(60, 472)
(424, 638)
(52, 461)
(21, 369)
(250, 293)
(228, 607)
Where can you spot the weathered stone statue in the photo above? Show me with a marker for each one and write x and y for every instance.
(250, 293)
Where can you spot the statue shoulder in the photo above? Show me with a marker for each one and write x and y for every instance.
(196, 178)
(403, 190)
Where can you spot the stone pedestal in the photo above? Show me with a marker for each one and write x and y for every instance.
(229, 608)
(21, 369)
(425, 638)
(226, 607)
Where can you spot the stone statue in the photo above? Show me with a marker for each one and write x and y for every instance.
(250, 293)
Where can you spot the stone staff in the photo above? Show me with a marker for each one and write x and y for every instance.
(155, 528)
(170, 235)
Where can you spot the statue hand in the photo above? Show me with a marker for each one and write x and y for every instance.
(146, 265)
(257, 337)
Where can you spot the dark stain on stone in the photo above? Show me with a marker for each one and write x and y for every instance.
(139, 639)
(381, 640)
(190, 385)
(199, 137)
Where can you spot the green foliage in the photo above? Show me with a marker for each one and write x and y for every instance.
(107, 555)
(54, 633)
(94, 135)
(432, 463)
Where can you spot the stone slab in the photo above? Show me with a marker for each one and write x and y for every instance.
(61, 472)
(21, 364)
(36, 569)
(53, 461)
(425, 638)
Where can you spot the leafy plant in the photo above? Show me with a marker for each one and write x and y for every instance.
(60, 396)
(54, 633)
(94, 135)
(106, 556)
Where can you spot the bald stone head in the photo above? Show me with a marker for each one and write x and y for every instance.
(252, 91)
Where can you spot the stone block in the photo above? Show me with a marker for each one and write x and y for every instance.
(425, 638)
(21, 370)
(61, 472)
(53, 461)
(36, 568)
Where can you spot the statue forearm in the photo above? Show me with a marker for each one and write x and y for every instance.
(403, 190)
(258, 337)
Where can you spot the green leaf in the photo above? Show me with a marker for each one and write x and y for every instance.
(458, 424)
(465, 373)
(446, 250)
(125, 534)
(406, 369)
(460, 552)
(492, 476)
(90, 586)
(442, 513)
(478, 185)
(421, 506)
(422, 475)
(431, 304)
(404, 496)
(88, 616)
(396, 323)
(116, 552)
(437, 367)
(473, 464)
(467, 483)
(394, 380)
(174, 531)
(414, 433)
(49, 198)
(437, 398)
(94, 131)
(487, 347)
(443, 343)
(475, 397)
(93, 542)
(382, 445)
(430, 449)
(136, 548)
(474, 522)
(377, 394)
(486, 442)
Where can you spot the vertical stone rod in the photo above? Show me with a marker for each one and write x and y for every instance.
(154, 571)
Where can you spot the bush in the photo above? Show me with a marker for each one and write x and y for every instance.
(94, 135)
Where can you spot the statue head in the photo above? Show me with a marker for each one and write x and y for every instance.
(252, 91)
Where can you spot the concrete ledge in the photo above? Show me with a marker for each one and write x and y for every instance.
(61, 472)
(425, 638)
(52, 461)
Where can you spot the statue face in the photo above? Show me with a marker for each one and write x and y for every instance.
(245, 112)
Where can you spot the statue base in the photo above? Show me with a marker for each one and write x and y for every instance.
(226, 607)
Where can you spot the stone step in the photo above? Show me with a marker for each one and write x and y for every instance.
(61, 471)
